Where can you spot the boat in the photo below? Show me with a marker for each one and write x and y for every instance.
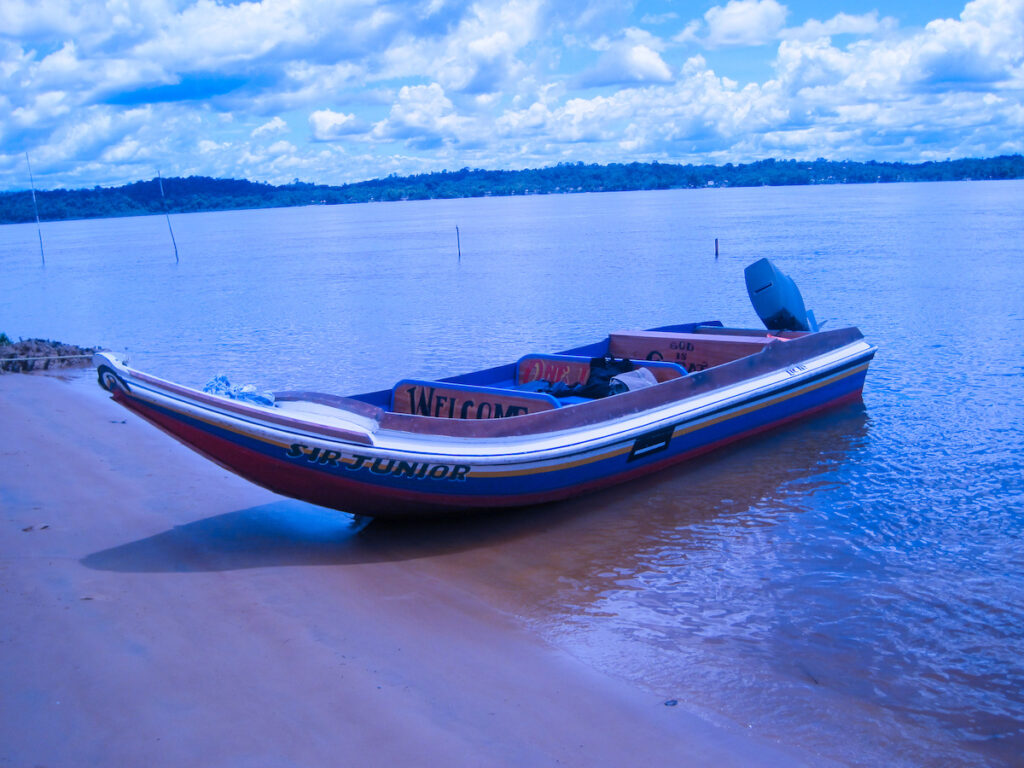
(547, 427)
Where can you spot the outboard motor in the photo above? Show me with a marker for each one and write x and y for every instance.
(776, 299)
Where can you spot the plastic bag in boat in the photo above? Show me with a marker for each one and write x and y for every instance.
(247, 392)
(641, 378)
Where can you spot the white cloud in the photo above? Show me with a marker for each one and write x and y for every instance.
(34, 19)
(98, 89)
(800, 65)
(125, 151)
(659, 18)
(95, 130)
(281, 148)
(631, 59)
(744, 22)
(304, 85)
(422, 115)
(986, 45)
(525, 122)
(627, 64)
(689, 34)
(208, 35)
(206, 146)
(60, 63)
(865, 100)
(270, 128)
(480, 56)
(841, 24)
(327, 125)
(588, 119)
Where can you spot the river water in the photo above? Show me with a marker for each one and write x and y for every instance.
(853, 584)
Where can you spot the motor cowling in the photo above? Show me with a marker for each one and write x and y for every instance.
(776, 299)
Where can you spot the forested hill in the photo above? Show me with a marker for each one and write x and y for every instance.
(199, 193)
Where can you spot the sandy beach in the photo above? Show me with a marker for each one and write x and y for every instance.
(159, 611)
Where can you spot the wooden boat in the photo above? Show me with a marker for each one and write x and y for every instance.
(547, 427)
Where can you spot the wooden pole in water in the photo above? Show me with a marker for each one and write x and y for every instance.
(35, 207)
(716, 247)
(163, 200)
(458, 241)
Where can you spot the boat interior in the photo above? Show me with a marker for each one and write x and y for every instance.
(543, 381)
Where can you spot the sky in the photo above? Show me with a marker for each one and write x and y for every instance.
(97, 93)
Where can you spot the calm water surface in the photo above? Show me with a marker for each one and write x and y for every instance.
(854, 584)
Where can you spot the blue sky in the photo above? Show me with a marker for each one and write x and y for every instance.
(332, 91)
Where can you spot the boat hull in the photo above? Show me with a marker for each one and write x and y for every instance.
(390, 472)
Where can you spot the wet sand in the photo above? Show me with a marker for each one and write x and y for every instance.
(159, 611)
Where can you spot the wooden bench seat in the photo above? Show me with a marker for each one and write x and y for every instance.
(574, 369)
(693, 351)
(463, 401)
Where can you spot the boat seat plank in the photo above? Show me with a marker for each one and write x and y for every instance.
(693, 351)
(749, 333)
(465, 401)
(575, 369)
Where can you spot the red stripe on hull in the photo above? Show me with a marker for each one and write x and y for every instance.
(284, 477)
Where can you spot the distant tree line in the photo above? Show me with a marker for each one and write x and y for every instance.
(200, 193)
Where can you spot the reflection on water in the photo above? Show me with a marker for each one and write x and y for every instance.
(854, 583)
(763, 555)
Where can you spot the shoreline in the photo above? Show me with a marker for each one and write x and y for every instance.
(161, 611)
(139, 199)
(28, 355)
